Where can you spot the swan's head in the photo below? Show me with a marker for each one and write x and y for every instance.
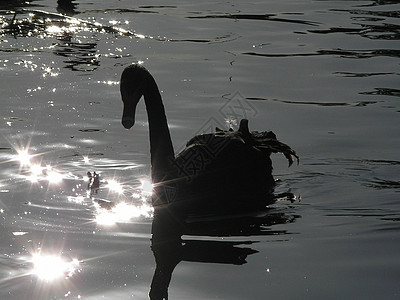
(133, 85)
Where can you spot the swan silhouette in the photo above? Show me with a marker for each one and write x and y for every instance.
(219, 172)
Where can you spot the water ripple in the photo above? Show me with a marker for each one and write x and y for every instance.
(379, 184)
(326, 104)
(384, 31)
(335, 52)
(388, 14)
(219, 39)
(383, 91)
(359, 75)
(256, 17)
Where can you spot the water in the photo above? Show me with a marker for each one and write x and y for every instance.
(323, 75)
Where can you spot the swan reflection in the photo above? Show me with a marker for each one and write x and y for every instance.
(169, 248)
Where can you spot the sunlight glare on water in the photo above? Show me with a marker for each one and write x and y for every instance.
(37, 173)
(122, 213)
(86, 159)
(146, 187)
(54, 29)
(114, 186)
(109, 213)
(53, 267)
(24, 157)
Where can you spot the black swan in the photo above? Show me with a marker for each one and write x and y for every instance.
(221, 171)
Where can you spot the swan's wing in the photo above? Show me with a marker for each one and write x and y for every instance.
(264, 141)
(200, 139)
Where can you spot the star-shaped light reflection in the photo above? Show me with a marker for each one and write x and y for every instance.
(52, 267)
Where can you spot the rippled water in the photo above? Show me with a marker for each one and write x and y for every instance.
(323, 75)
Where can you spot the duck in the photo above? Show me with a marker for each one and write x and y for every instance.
(225, 171)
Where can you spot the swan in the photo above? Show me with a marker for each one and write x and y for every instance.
(221, 171)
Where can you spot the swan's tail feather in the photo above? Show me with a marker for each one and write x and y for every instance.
(278, 147)
(267, 142)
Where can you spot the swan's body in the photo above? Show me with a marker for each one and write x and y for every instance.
(218, 171)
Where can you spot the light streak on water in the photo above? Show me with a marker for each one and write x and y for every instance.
(19, 233)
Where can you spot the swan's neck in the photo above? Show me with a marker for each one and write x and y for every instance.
(161, 149)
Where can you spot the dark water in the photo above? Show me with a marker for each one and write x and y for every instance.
(323, 75)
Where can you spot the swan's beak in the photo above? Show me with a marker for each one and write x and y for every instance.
(129, 111)
(128, 122)
(130, 95)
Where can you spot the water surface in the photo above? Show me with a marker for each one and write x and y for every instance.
(323, 75)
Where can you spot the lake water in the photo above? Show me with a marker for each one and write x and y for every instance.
(323, 75)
